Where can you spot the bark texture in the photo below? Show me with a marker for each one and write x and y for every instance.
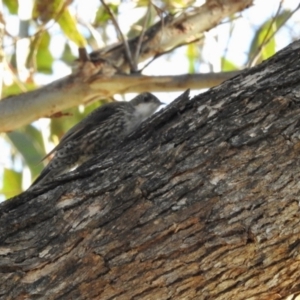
(106, 73)
(202, 202)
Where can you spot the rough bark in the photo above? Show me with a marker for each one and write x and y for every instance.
(202, 202)
(105, 73)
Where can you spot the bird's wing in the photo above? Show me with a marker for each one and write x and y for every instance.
(98, 116)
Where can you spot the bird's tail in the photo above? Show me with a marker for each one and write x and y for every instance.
(46, 175)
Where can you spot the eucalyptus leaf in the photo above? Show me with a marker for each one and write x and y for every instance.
(44, 58)
(26, 145)
(228, 65)
(68, 25)
(263, 44)
(193, 56)
(12, 183)
(12, 6)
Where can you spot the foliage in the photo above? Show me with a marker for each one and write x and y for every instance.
(57, 28)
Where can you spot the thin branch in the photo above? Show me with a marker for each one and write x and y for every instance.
(141, 37)
(98, 78)
(94, 33)
(169, 51)
(51, 98)
(267, 40)
(121, 36)
(227, 43)
(40, 29)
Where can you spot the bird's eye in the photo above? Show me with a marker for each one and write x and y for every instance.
(147, 98)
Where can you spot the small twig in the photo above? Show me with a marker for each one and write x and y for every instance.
(43, 27)
(141, 37)
(160, 13)
(264, 42)
(169, 51)
(267, 40)
(121, 36)
(83, 55)
(95, 34)
(227, 43)
(30, 61)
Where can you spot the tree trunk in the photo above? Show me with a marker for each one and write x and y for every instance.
(202, 202)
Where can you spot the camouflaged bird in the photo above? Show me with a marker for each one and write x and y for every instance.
(105, 127)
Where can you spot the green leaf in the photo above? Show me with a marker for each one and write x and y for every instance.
(192, 56)
(141, 3)
(36, 137)
(67, 55)
(137, 27)
(267, 33)
(44, 58)
(102, 16)
(47, 10)
(68, 25)
(40, 56)
(58, 10)
(264, 43)
(12, 6)
(59, 126)
(228, 65)
(178, 3)
(12, 183)
(27, 147)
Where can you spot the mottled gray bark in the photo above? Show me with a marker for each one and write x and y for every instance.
(201, 203)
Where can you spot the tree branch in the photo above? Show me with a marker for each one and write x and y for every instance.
(121, 36)
(48, 100)
(107, 63)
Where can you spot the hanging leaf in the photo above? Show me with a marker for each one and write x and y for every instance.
(228, 65)
(193, 56)
(68, 25)
(59, 126)
(12, 6)
(44, 58)
(59, 11)
(102, 16)
(141, 3)
(263, 44)
(36, 138)
(40, 57)
(47, 10)
(67, 55)
(12, 183)
(26, 141)
(136, 29)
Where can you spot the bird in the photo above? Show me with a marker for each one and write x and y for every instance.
(102, 129)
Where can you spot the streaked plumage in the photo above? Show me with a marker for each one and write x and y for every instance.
(105, 127)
